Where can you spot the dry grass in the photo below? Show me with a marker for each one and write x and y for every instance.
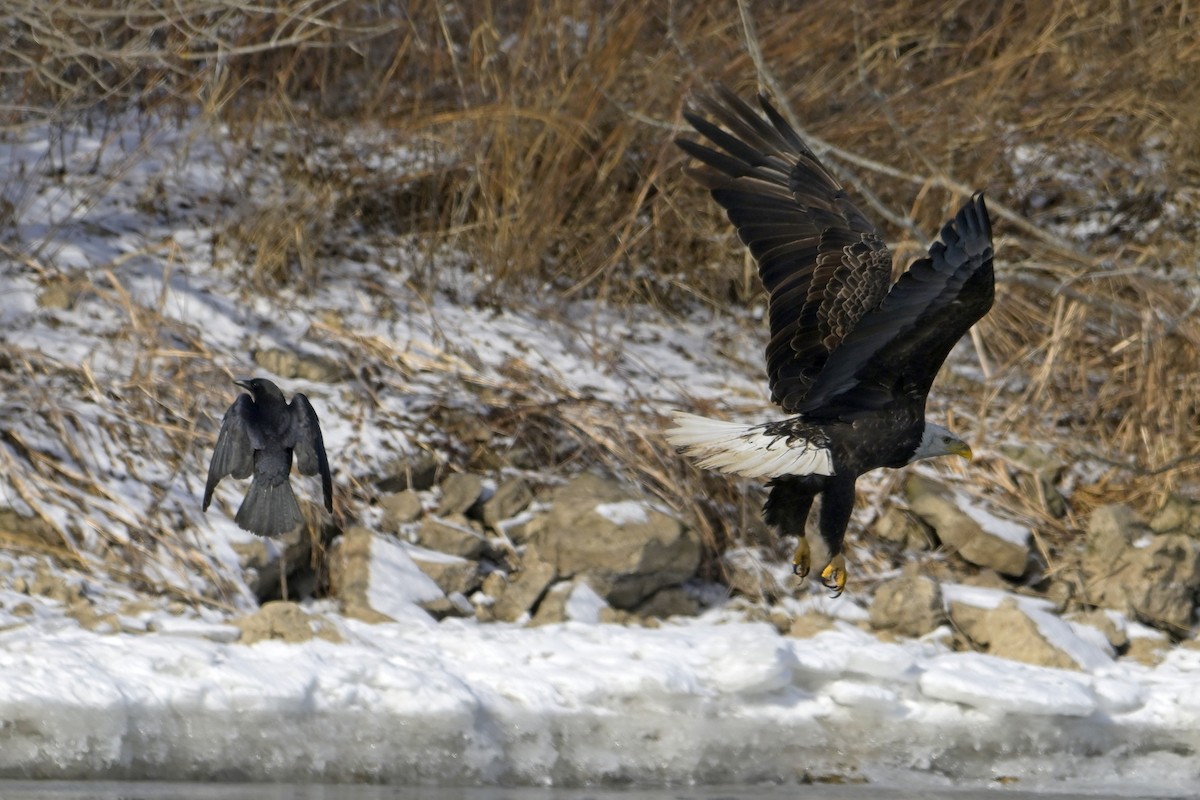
(549, 127)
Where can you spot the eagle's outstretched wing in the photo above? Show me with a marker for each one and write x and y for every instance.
(822, 262)
(896, 350)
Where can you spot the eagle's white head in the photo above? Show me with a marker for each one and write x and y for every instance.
(937, 441)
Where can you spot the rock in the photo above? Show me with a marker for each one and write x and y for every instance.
(511, 498)
(452, 605)
(375, 579)
(910, 605)
(1109, 624)
(1178, 514)
(1106, 553)
(781, 619)
(1041, 471)
(1165, 593)
(460, 491)
(959, 531)
(987, 579)
(670, 602)
(617, 616)
(484, 599)
(805, 626)
(747, 573)
(452, 574)
(1111, 530)
(287, 622)
(520, 592)
(522, 528)
(628, 549)
(452, 535)
(1061, 593)
(400, 508)
(309, 367)
(418, 472)
(1008, 631)
(1153, 578)
(571, 600)
(553, 608)
(902, 528)
(1148, 650)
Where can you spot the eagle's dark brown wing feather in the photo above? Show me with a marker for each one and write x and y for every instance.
(896, 350)
(821, 261)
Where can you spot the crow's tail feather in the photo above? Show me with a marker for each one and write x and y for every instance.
(269, 510)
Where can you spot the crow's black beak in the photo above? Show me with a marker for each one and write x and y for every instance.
(245, 384)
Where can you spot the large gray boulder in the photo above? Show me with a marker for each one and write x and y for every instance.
(286, 622)
(571, 600)
(518, 593)
(937, 506)
(452, 535)
(460, 491)
(452, 574)
(902, 528)
(511, 498)
(1152, 577)
(1040, 469)
(910, 605)
(1034, 636)
(1178, 514)
(364, 570)
(628, 548)
(400, 508)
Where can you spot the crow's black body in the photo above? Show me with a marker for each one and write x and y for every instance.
(260, 433)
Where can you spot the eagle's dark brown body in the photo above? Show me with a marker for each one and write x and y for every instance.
(852, 356)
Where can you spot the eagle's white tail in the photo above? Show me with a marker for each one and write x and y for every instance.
(746, 449)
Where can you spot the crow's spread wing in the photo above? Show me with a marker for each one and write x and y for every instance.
(822, 262)
(896, 350)
(234, 454)
(309, 447)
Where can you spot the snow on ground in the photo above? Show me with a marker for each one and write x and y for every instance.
(169, 694)
(461, 702)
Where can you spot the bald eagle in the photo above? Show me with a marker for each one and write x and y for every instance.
(851, 355)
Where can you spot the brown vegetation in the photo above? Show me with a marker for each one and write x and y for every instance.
(549, 127)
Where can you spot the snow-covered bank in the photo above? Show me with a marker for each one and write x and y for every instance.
(126, 286)
(458, 702)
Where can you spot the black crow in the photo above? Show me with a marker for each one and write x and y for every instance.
(259, 434)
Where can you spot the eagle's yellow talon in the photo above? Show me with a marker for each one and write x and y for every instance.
(834, 575)
(802, 560)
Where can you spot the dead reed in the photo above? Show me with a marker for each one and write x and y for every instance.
(548, 128)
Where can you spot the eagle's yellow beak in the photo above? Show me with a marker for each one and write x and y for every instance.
(962, 449)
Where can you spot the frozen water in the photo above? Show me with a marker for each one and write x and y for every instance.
(457, 701)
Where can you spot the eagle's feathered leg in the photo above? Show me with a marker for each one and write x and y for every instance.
(837, 503)
(802, 559)
(786, 509)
